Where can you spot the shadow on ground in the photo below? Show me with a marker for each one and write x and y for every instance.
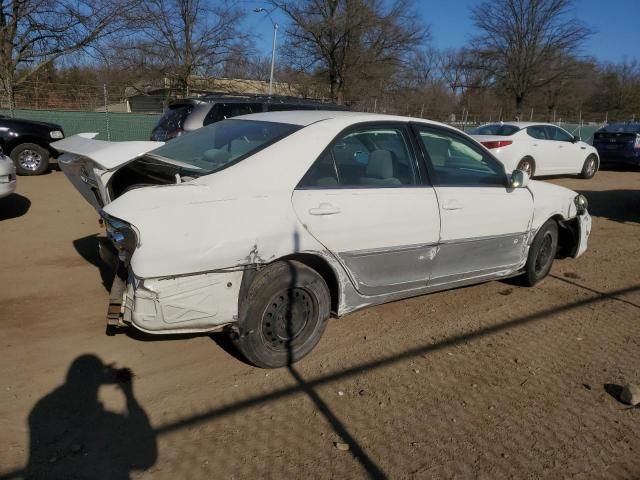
(618, 205)
(73, 436)
(69, 422)
(87, 247)
(14, 206)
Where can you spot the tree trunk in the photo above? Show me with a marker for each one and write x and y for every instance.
(519, 103)
(336, 87)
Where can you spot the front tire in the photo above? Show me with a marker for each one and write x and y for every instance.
(541, 253)
(30, 159)
(284, 315)
(590, 167)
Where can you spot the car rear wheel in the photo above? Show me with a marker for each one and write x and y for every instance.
(30, 159)
(590, 167)
(284, 314)
(541, 253)
(528, 165)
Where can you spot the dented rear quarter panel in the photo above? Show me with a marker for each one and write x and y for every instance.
(239, 216)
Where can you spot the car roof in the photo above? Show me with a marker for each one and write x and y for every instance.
(307, 117)
(275, 99)
(521, 124)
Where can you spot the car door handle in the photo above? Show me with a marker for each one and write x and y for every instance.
(324, 209)
(453, 205)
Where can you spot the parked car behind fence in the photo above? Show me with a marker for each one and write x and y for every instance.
(619, 144)
(192, 113)
(28, 143)
(538, 148)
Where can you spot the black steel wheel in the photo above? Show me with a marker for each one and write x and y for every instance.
(542, 253)
(282, 315)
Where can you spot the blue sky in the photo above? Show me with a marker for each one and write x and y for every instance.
(617, 25)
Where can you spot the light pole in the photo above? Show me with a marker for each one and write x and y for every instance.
(273, 46)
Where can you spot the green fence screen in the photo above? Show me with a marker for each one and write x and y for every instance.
(136, 126)
(113, 126)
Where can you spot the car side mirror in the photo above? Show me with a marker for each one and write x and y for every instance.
(519, 179)
(575, 139)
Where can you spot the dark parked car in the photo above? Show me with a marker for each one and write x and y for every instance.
(619, 144)
(192, 113)
(28, 143)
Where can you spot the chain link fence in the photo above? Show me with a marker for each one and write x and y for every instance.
(121, 112)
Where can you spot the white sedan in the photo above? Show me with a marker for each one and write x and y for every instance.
(268, 224)
(538, 148)
(7, 176)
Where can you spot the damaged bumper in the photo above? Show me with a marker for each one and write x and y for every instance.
(190, 304)
(584, 224)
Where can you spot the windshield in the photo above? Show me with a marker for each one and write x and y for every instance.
(495, 129)
(220, 144)
(622, 128)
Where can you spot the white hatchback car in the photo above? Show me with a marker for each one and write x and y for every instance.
(538, 148)
(267, 224)
(7, 176)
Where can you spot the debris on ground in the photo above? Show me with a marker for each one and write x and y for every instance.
(630, 394)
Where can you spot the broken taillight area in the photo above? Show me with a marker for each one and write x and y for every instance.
(497, 144)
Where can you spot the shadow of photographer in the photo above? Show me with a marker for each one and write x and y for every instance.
(72, 435)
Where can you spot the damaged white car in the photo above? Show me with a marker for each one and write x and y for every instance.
(268, 224)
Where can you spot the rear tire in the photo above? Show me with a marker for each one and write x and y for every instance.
(283, 314)
(541, 253)
(30, 159)
(528, 165)
(590, 167)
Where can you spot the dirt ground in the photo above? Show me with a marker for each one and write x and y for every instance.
(491, 381)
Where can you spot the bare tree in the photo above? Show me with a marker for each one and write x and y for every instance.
(350, 39)
(184, 38)
(524, 42)
(241, 64)
(34, 33)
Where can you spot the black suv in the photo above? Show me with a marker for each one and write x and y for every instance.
(192, 113)
(28, 143)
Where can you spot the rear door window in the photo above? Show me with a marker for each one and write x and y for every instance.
(558, 134)
(222, 111)
(538, 132)
(366, 157)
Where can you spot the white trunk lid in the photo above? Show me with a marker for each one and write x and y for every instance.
(89, 163)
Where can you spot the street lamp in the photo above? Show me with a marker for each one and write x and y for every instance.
(273, 47)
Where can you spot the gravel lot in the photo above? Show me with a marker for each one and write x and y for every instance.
(492, 381)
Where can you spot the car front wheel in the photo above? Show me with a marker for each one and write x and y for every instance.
(541, 253)
(284, 315)
(30, 159)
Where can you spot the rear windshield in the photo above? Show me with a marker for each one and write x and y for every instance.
(221, 144)
(622, 128)
(496, 129)
(173, 117)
